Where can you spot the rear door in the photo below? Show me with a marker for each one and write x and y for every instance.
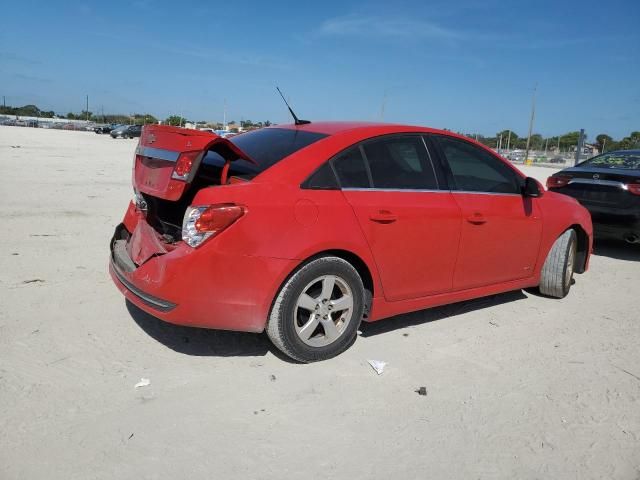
(412, 226)
(501, 229)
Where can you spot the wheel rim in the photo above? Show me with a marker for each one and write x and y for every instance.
(323, 311)
(568, 274)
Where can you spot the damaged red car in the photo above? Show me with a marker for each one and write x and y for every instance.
(305, 230)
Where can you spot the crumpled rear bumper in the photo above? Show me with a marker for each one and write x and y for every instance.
(199, 287)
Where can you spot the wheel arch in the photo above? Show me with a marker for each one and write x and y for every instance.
(361, 266)
(582, 248)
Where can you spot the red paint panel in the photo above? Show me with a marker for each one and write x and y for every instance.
(413, 236)
(500, 239)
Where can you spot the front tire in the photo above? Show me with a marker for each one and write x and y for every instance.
(558, 268)
(318, 310)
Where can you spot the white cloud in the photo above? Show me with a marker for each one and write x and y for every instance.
(398, 27)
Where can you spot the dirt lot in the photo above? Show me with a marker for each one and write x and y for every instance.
(518, 386)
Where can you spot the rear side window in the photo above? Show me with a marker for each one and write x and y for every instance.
(351, 169)
(322, 179)
(476, 170)
(400, 162)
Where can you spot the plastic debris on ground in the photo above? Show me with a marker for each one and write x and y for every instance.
(377, 365)
(144, 382)
(422, 391)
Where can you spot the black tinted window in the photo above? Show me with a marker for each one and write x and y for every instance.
(621, 160)
(266, 146)
(476, 170)
(351, 169)
(400, 163)
(323, 178)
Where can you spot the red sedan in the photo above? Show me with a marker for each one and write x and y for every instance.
(306, 230)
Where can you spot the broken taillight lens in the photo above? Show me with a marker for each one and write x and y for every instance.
(558, 181)
(201, 223)
(184, 165)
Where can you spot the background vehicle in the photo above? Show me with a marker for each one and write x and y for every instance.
(105, 128)
(127, 131)
(609, 187)
(304, 230)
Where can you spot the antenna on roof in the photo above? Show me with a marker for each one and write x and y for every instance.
(296, 120)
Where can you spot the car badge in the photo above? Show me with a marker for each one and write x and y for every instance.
(151, 138)
(188, 143)
(596, 176)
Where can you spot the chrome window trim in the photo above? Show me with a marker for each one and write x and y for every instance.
(408, 190)
(417, 190)
(159, 153)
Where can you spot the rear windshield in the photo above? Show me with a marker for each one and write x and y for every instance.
(266, 147)
(621, 160)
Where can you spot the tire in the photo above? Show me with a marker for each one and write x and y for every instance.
(309, 302)
(558, 268)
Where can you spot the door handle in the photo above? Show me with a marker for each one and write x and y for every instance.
(476, 218)
(383, 216)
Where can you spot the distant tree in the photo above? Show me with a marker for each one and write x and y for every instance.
(605, 142)
(28, 111)
(266, 123)
(630, 142)
(175, 120)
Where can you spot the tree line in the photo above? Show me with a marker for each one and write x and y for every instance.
(504, 139)
(563, 143)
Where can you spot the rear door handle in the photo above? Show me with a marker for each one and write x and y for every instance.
(476, 218)
(383, 216)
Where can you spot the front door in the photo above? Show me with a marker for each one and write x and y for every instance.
(501, 229)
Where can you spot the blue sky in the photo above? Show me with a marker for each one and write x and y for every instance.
(464, 65)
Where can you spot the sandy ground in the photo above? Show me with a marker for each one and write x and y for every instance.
(518, 386)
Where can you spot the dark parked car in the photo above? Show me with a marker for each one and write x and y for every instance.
(609, 187)
(105, 128)
(127, 131)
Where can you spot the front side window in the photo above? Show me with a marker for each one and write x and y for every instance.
(476, 170)
(400, 162)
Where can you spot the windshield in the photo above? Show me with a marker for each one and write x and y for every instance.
(620, 160)
(266, 147)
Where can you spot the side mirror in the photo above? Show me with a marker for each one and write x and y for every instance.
(532, 188)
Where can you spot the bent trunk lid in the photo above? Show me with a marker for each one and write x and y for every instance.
(160, 150)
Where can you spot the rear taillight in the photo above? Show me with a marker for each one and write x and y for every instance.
(558, 181)
(184, 165)
(634, 188)
(201, 223)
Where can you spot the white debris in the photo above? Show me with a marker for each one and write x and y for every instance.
(377, 365)
(144, 382)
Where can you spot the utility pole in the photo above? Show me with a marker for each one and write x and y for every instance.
(579, 146)
(4, 103)
(604, 142)
(224, 115)
(87, 109)
(533, 114)
(546, 144)
(509, 140)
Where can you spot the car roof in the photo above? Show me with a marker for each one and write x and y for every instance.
(332, 128)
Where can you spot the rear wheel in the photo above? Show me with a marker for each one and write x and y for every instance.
(318, 310)
(558, 268)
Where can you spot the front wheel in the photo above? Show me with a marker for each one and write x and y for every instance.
(318, 310)
(558, 268)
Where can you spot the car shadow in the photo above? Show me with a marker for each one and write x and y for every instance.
(617, 249)
(202, 342)
(438, 313)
